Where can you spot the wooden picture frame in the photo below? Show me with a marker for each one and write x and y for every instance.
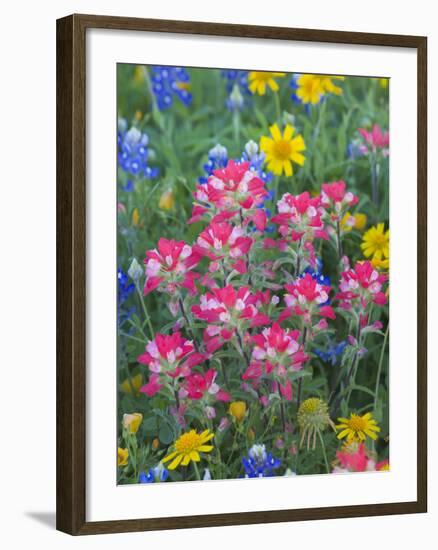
(71, 273)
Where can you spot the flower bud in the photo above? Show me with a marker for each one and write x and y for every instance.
(131, 422)
(135, 270)
(237, 409)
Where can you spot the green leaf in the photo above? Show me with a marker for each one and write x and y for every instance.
(165, 434)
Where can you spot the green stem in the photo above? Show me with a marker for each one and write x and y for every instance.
(374, 182)
(379, 369)
(188, 324)
(277, 107)
(195, 467)
(145, 311)
(324, 452)
(126, 335)
(149, 87)
(338, 237)
(236, 128)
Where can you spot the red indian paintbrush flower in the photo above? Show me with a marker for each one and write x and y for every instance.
(307, 297)
(197, 386)
(235, 190)
(336, 199)
(227, 310)
(169, 267)
(276, 352)
(168, 356)
(361, 286)
(223, 241)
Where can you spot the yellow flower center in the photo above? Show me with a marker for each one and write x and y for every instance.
(380, 240)
(310, 405)
(188, 442)
(282, 149)
(357, 423)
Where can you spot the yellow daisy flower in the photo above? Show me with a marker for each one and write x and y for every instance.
(258, 80)
(282, 150)
(383, 265)
(358, 428)
(122, 456)
(310, 89)
(187, 448)
(375, 242)
(329, 86)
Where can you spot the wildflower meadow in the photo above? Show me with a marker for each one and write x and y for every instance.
(253, 274)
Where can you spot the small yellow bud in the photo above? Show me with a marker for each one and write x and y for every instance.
(238, 410)
(360, 221)
(122, 456)
(138, 115)
(251, 434)
(135, 383)
(131, 422)
(167, 200)
(138, 74)
(155, 444)
(135, 217)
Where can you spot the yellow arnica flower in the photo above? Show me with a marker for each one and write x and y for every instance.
(122, 456)
(131, 422)
(358, 428)
(187, 448)
(311, 87)
(167, 200)
(358, 221)
(329, 86)
(237, 409)
(135, 383)
(282, 150)
(375, 242)
(383, 265)
(258, 80)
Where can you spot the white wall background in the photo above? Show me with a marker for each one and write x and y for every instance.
(27, 391)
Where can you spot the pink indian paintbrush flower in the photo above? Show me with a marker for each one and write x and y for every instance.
(376, 138)
(169, 267)
(223, 241)
(233, 191)
(168, 356)
(336, 199)
(276, 352)
(353, 457)
(227, 310)
(307, 297)
(300, 217)
(361, 286)
(197, 386)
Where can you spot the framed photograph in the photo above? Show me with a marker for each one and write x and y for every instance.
(241, 287)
